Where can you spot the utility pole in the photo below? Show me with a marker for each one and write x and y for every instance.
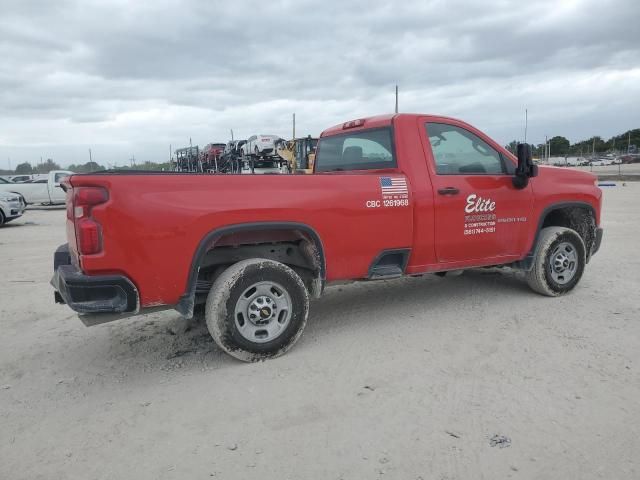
(546, 145)
(396, 98)
(294, 126)
(90, 159)
(628, 146)
(232, 134)
(525, 124)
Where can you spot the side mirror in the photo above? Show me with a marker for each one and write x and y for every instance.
(526, 168)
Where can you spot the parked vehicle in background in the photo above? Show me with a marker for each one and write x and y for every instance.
(28, 178)
(46, 190)
(261, 166)
(393, 195)
(210, 157)
(232, 148)
(630, 158)
(232, 156)
(20, 178)
(300, 153)
(12, 206)
(260, 145)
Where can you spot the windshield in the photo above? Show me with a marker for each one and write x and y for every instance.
(359, 150)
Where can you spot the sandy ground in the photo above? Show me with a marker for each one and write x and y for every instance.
(400, 379)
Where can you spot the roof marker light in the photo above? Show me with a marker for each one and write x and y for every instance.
(353, 124)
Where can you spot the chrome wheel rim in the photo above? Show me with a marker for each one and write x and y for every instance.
(563, 263)
(263, 312)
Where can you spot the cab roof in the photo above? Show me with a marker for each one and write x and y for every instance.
(377, 121)
(368, 122)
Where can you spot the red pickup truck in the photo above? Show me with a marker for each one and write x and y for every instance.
(392, 195)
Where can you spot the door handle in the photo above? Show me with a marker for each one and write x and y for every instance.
(448, 191)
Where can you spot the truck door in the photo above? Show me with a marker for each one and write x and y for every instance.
(56, 194)
(479, 214)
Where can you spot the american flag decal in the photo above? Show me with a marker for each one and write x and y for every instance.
(393, 186)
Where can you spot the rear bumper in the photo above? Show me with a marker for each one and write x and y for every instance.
(97, 298)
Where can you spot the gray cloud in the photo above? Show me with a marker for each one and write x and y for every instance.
(133, 77)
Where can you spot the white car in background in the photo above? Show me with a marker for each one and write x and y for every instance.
(262, 166)
(44, 190)
(12, 206)
(260, 145)
(26, 178)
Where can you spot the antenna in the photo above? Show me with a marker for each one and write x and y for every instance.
(396, 98)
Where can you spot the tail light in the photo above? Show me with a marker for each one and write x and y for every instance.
(88, 231)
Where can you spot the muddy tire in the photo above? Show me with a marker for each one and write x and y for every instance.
(257, 309)
(559, 262)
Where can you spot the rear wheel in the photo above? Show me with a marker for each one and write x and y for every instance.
(559, 262)
(2, 218)
(257, 309)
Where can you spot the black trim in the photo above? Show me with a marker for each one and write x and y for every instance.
(527, 262)
(97, 294)
(61, 256)
(598, 241)
(381, 269)
(186, 303)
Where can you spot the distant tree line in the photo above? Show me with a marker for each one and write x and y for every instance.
(561, 146)
(27, 169)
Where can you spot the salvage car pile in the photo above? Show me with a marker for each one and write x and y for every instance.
(259, 154)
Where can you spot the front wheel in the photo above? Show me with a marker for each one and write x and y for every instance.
(257, 309)
(559, 261)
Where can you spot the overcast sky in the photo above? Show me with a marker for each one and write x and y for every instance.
(131, 77)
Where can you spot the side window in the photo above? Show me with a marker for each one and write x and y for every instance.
(457, 151)
(59, 176)
(359, 150)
